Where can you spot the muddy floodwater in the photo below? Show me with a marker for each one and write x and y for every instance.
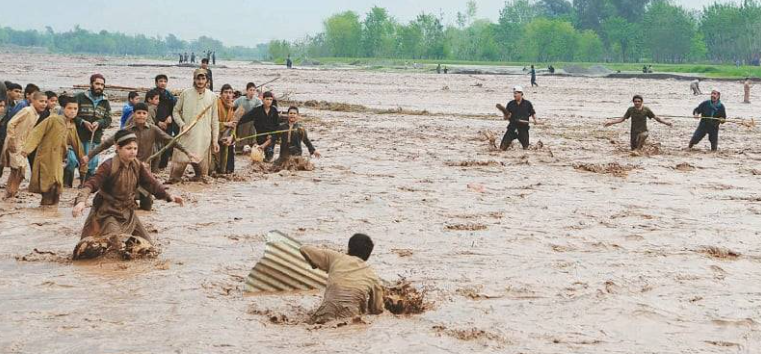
(574, 246)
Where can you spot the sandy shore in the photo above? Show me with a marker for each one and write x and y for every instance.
(520, 252)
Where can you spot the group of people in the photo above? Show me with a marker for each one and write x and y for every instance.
(712, 114)
(56, 136)
(208, 55)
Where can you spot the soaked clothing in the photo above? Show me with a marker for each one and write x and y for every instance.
(353, 289)
(519, 123)
(19, 129)
(92, 109)
(224, 161)
(246, 129)
(113, 209)
(290, 141)
(51, 140)
(264, 122)
(709, 127)
(148, 135)
(639, 131)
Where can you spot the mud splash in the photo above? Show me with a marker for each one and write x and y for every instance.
(402, 298)
(612, 168)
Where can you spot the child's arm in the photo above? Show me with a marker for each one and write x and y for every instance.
(35, 137)
(308, 143)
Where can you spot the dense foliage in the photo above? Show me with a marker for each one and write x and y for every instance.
(546, 31)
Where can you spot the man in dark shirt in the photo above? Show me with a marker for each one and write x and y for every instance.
(639, 115)
(266, 120)
(533, 76)
(714, 114)
(205, 66)
(517, 112)
(292, 135)
(164, 117)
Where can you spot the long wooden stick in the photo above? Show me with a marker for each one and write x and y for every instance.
(174, 141)
(744, 122)
(505, 112)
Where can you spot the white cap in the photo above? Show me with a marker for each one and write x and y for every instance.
(518, 89)
(716, 89)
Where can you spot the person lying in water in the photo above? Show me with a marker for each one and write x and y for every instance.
(353, 289)
(112, 221)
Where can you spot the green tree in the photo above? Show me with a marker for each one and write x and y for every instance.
(590, 47)
(669, 30)
(623, 38)
(550, 40)
(343, 34)
(378, 31)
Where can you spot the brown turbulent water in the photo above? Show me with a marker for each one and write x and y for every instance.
(572, 247)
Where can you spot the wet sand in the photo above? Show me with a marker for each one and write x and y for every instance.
(520, 252)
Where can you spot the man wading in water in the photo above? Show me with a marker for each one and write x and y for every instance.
(353, 287)
(714, 114)
(517, 112)
(639, 115)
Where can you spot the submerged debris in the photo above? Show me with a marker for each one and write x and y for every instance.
(404, 299)
(613, 168)
(684, 167)
(719, 252)
(466, 227)
(474, 163)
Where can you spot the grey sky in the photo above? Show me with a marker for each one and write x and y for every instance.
(239, 22)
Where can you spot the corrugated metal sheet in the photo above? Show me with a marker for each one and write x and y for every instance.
(283, 268)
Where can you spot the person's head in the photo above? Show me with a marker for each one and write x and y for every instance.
(126, 145)
(518, 93)
(161, 81)
(152, 97)
(29, 90)
(293, 114)
(204, 63)
(361, 246)
(226, 94)
(250, 90)
(200, 80)
(39, 101)
(52, 99)
(70, 107)
(15, 91)
(133, 97)
(140, 114)
(715, 95)
(97, 84)
(532, 66)
(268, 99)
(638, 101)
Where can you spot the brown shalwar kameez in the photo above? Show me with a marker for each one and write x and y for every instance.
(113, 209)
(353, 288)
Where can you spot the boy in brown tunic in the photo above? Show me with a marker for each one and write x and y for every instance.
(148, 135)
(112, 219)
(51, 139)
(19, 129)
(353, 288)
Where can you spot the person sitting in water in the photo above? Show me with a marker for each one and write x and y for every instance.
(112, 221)
(353, 288)
(292, 136)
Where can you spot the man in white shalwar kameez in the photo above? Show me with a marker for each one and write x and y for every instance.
(203, 136)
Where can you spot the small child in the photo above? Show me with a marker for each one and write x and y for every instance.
(19, 129)
(353, 287)
(293, 134)
(132, 99)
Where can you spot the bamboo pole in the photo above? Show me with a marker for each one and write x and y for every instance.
(174, 141)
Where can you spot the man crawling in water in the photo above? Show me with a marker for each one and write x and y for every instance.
(353, 288)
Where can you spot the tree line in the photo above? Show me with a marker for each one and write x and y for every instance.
(545, 31)
(79, 40)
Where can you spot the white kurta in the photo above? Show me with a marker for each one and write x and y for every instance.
(199, 139)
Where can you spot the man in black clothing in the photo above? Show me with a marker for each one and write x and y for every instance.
(205, 66)
(292, 135)
(164, 115)
(714, 114)
(533, 76)
(517, 112)
(266, 119)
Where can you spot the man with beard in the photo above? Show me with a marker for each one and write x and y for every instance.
(713, 114)
(94, 116)
(194, 103)
(164, 115)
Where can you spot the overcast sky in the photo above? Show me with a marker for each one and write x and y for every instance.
(239, 22)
